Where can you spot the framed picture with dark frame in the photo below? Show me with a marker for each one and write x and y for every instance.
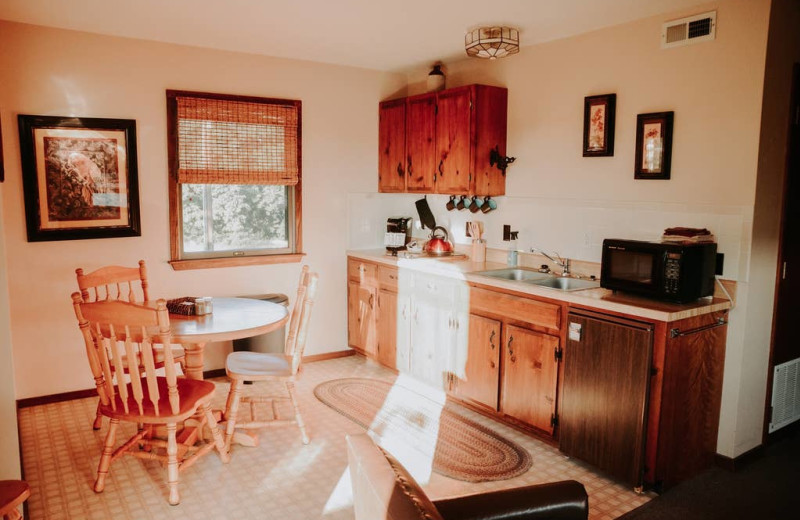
(79, 177)
(653, 145)
(598, 125)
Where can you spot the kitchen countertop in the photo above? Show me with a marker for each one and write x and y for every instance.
(599, 298)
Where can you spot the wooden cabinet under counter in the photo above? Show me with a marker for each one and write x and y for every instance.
(641, 404)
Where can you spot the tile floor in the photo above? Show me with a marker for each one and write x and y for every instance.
(281, 478)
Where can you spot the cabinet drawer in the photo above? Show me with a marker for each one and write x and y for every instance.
(387, 277)
(363, 272)
(543, 314)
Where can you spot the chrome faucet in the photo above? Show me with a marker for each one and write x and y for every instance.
(563, 263)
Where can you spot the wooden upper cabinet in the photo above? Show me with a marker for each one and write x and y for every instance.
(453, 141)
(490, 118)
(420, 144)
(392, 139)
(449, 138)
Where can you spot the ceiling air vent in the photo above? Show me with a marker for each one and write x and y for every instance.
(693, 29)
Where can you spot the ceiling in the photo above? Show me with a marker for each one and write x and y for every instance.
(375, 34)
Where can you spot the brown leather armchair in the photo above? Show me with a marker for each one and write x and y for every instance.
(383, 489)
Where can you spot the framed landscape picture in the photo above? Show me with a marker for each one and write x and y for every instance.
(653, 145)
(598, 125)
(79, 177)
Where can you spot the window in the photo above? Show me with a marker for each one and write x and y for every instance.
(234, 179)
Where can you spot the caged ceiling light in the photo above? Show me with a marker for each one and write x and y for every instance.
(492, 42)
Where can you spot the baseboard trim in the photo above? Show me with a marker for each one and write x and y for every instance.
(56, 398)
(740, 461)
(328, 355)
(207, 374)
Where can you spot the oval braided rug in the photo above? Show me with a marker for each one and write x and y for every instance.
(462, 449)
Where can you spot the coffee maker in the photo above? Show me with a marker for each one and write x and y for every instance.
(398, 234)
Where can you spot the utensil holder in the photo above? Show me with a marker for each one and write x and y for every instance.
(478, 251)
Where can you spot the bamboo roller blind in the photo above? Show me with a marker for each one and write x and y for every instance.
(236, 142)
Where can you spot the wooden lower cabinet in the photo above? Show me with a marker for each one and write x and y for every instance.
(482, 365)
(362, 317)
(691, 396)
(386, 351)
(530, 377)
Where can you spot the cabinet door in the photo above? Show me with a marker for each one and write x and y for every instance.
(530, 377)
(361, 317)
(691, 399)
(392, 146)
(425, 334)
(606, 382)
(482, 368)
(453, 141)
(387, 328)
(420, 145)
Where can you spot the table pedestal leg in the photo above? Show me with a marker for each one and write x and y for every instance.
(194, 360)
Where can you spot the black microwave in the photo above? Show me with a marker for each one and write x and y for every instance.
(672, 272)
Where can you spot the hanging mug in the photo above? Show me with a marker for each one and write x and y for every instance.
(461, 204)
(475, 205)
(489, 204)
(451, 204)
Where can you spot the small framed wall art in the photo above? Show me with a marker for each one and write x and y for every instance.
(653, 145)
(598, 125)
(79, 177)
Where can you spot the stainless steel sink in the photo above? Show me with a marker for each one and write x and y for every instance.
(517, 274)
(565, 284)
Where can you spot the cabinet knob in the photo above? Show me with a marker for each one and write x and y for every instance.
(511, 350)
(491, 340)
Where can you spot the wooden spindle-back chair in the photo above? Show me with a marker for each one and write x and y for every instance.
(257, 366)
(126, 284)
(113, 330)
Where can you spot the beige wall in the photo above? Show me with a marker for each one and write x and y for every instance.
(56, 72)
(563, 201)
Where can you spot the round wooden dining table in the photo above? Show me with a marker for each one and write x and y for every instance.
(231, 318)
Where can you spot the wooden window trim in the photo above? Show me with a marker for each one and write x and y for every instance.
(176, 261)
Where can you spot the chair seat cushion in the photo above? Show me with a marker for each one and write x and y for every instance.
(254, 366)
(192, 393)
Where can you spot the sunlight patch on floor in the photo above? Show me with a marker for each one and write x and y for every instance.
(342, 496)
(392, 431)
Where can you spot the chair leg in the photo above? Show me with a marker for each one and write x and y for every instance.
(172, 464)
(219, 442)
(105, 458)
(297, 416)
(231, 409)
(98, 419)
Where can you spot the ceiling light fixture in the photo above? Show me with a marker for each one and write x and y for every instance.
(492, 42)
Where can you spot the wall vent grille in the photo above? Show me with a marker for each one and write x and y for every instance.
(693, 29)
(785, 395)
